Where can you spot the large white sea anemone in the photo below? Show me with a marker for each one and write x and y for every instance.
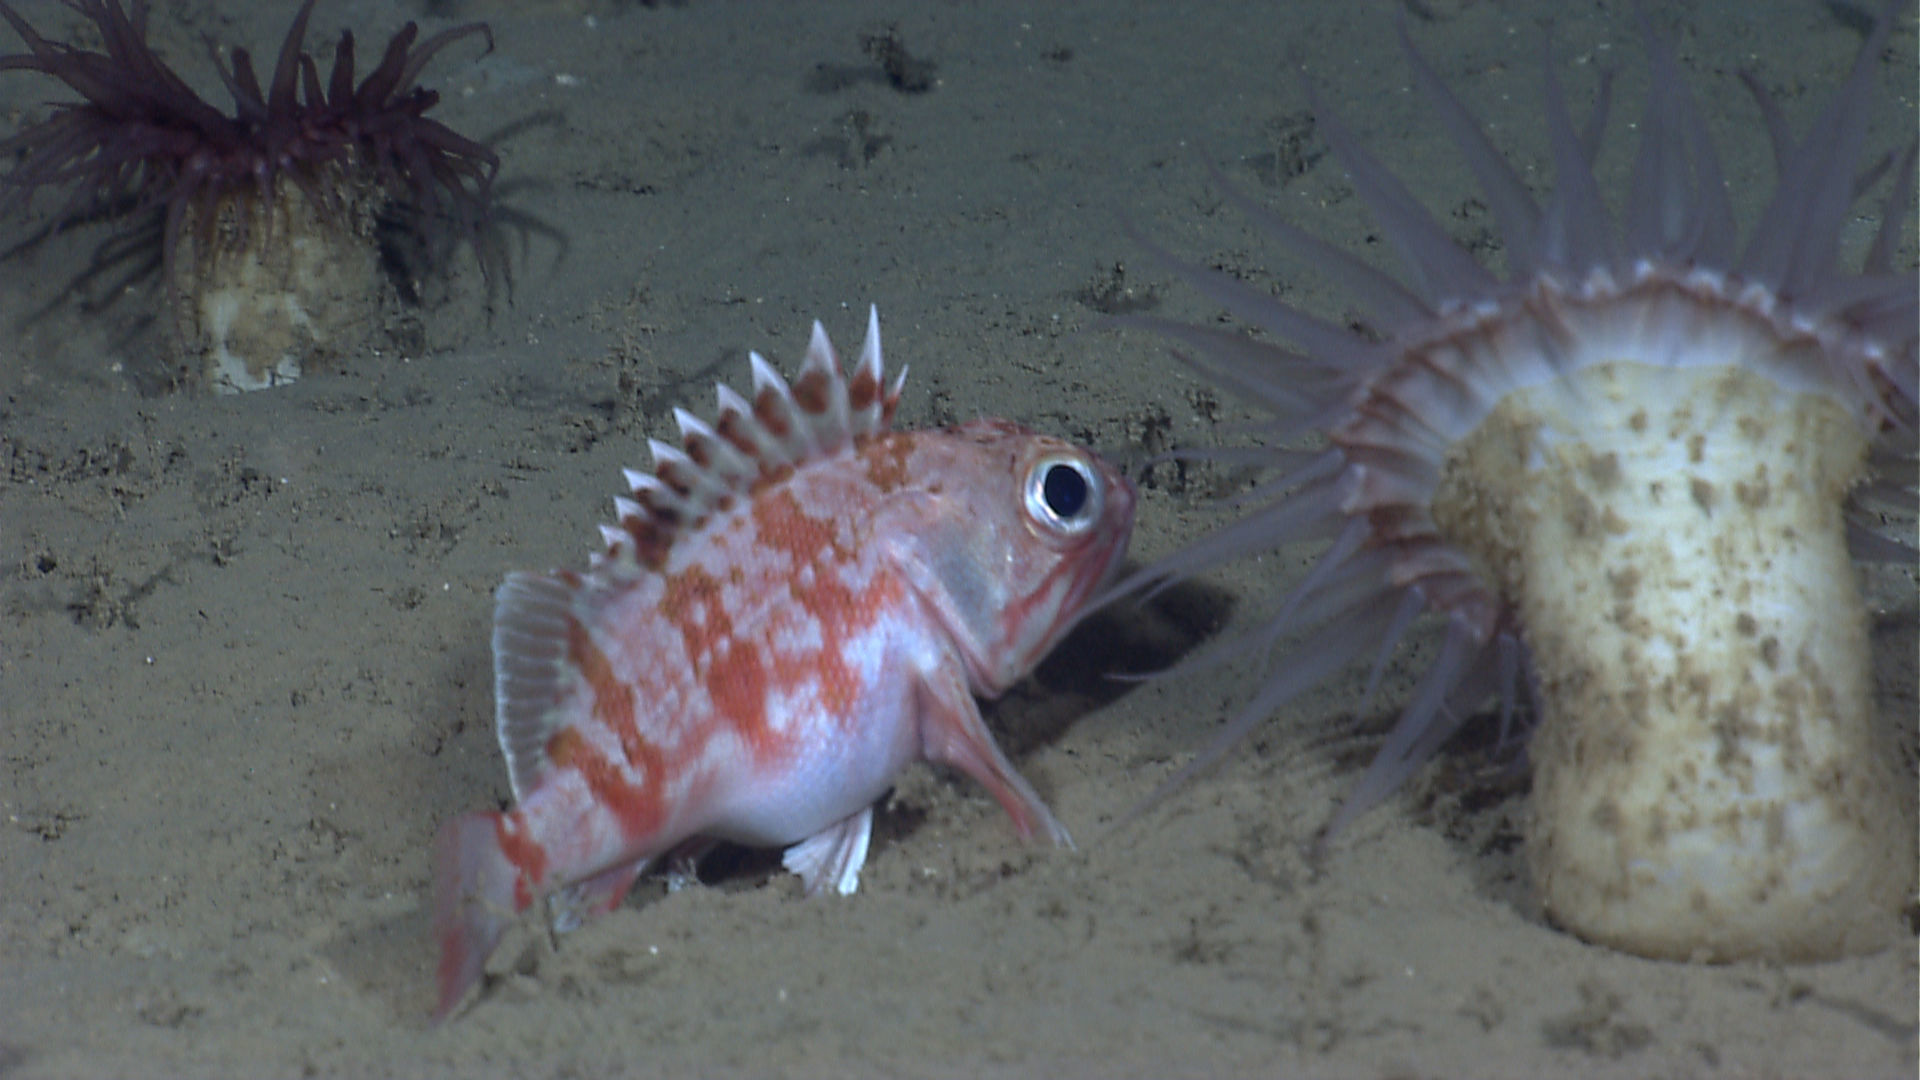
(1631, 474)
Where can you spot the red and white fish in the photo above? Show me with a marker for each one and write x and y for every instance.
(794, 606)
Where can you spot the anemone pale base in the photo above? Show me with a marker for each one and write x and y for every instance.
(1709, 780)
(275, 293)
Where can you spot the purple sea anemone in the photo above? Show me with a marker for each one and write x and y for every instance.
(1631, 477)
(267, 238)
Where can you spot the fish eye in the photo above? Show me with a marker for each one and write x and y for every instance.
(1063, 495)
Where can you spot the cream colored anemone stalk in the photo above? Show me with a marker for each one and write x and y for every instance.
(279, 285)
(1707, 779)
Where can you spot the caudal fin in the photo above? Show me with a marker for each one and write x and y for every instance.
(475, 898)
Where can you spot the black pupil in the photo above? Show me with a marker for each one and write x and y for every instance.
(1065, 490)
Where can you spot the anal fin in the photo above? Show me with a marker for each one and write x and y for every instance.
(833, 856)
(567, 908)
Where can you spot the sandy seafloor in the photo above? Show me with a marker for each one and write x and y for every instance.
(243, 640)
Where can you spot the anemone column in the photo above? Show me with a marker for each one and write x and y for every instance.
(1709, 782)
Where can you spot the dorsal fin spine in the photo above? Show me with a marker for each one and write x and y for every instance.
(774, 410)
(820, 392)
(676, 468)
(865, 398)
(738, 429)
(714, 453)
(749, 443)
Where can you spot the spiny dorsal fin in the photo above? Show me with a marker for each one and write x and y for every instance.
(750, 443)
